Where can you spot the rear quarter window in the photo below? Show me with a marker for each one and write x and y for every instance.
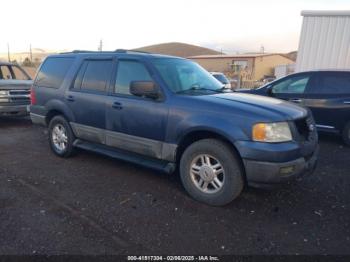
(53, 71)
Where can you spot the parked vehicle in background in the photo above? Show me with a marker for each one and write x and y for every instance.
(162, 112)
(14, 90)
(326, 93)
(222, 78)
(268, 79)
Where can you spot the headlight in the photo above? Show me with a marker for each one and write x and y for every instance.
(4, 92)
(271, 132)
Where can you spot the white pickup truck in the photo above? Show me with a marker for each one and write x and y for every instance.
(15, 86)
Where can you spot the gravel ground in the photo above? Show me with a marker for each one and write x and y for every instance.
(92, 204)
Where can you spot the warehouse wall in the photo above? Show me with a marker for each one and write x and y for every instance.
(324, 41)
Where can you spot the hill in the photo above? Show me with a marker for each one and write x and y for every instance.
(178, 49)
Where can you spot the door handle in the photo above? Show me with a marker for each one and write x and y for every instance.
(346, 102)
(295, 100)
(70, 98)
(117, 105)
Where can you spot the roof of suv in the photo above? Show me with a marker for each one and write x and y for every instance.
(116, 52)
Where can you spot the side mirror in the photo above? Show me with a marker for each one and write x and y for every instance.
(144, 89)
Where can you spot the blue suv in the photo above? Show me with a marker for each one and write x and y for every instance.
(166, 112)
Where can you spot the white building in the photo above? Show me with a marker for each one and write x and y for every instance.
(324, 41)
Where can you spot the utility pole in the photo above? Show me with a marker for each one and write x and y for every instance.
(8, 52)
(262, 49)
(100, 46)
(30, 53)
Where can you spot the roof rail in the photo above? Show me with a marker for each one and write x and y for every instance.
(115, 51)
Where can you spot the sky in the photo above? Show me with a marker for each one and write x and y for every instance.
(228, 25)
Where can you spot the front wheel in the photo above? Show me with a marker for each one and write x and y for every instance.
(61, 137)
(211, 172)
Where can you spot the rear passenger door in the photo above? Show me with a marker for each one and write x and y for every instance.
(329, 100)
(87, 98)
(135, 123)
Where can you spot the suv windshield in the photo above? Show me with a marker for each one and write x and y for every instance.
(183, 76)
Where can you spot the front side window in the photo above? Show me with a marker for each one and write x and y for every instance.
(93, 75)
(183, 75)
(129, 71)
(292, 85)
(53, 71)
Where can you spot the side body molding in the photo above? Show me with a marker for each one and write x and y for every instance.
(139, 145)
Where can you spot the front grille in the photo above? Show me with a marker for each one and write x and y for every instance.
(19, 92)
(18, 97)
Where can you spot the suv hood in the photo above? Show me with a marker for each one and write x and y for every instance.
(269, 108)
(15, 84)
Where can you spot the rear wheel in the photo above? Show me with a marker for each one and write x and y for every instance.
(211, 172)
(346, 134)
(61, 137)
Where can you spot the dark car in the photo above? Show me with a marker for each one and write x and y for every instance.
(14, 90)
(163, 112)
(326, 93)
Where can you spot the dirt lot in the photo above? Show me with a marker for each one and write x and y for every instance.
(91, 204)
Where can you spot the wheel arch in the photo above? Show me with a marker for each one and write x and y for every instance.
(200, 134)
(57, 107)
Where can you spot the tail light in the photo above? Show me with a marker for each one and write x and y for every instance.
(32, 96)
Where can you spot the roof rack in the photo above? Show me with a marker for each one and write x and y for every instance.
(96, 52)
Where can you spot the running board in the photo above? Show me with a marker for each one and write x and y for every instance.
(156, 164)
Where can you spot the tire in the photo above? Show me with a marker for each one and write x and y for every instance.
(196, 180)
(346, 134)
(61, 145)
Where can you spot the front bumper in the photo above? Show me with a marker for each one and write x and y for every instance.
(14, 110)
(262, 173)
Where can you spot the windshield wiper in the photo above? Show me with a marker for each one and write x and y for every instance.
(197, 88)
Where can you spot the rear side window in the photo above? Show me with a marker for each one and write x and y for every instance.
(334, 83)
(94, 75)
(53, 71)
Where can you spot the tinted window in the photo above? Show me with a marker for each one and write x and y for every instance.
(291, 85)
(334, 83)
(53, 71)
(129, 71)
(94, 75)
